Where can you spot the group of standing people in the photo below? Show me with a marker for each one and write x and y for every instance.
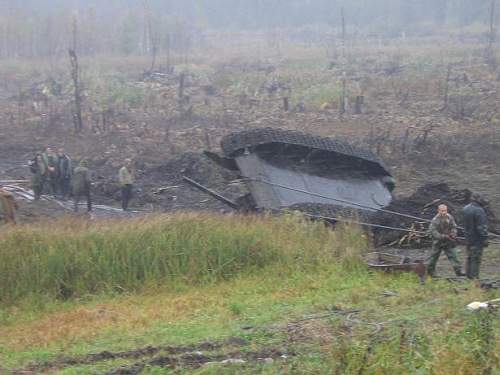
(443, 229)
(54, 172)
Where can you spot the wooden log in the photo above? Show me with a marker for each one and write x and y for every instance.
(358, 104)
(286, 105)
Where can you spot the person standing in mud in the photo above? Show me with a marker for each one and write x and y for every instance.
(81, 185)
(39, 171)
(476, 234)
(126, 177)
(65, 169)
(443, 229)
(8, 207)
(50, 160)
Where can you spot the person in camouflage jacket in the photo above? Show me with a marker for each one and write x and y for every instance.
(52, 169)
(443, 229)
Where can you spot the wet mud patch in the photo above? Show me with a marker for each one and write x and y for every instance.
(196, 360)
(90, 359)
(230, 351)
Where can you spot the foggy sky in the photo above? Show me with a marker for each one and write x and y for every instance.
(30, 28)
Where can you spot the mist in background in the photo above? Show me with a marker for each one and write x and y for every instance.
(45, 28)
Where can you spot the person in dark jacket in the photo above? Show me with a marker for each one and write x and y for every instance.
(476, 234)
(81, 185)
(65, 169)
(50, 159)
(444, 239)
(39, 171)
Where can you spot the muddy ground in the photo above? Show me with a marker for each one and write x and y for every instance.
(423, 140)
(186, 357)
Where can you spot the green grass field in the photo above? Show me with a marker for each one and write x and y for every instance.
(284, 295)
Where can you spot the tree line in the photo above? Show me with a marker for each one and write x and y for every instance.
(44, 28)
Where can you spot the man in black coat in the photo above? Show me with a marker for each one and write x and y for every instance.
(81, 185)
(65, 169)
(476, 234)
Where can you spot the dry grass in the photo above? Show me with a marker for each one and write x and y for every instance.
(135, 313)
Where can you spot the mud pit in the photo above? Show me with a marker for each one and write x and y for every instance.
(172, 357)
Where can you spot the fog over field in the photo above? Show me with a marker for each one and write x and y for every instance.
(43, 27)
(246, 187)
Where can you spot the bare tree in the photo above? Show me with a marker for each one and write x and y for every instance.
(343, 97)
(447, 87)
(489, 53)
(342, 15)
(75, 75)
(492, 34)
(149, 36)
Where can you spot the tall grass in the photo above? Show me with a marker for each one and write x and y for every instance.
(74, 258)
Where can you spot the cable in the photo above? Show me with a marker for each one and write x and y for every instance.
(363, 224)
(339, 200)
(371, 225)
(351, 203)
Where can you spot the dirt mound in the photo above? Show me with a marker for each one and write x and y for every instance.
(163, 184)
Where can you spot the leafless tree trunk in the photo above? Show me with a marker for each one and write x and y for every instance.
(169, 46)
(208, 143)
(150, 39)
(75, 33)
(489, 54)
(286, 105)
(358, 106)
(492, 35)
(447, 88)
(342, 15)
(75, 74)
(343, 98)
(181, 86)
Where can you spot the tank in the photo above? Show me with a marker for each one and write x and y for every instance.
(286, 169)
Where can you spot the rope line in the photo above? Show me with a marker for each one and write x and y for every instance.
(352, 203)
(373, 225)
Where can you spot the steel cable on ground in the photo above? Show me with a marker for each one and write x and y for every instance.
(361, 223)
(349, 202)
(331, 218)
(338, 200)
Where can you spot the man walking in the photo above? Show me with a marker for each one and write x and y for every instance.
(81, 185)
(476, 234)
(126, 177)
(443, 229)
(65, 168)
